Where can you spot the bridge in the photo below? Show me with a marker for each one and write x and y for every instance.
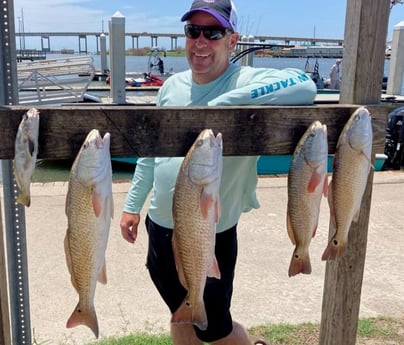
(82, 39)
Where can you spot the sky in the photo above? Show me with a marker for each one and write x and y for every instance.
(302, 18)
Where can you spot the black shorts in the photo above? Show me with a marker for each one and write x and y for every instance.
(217, 293)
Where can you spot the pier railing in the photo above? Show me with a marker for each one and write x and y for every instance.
(54, 81)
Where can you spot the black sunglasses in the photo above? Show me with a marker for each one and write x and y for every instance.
(212, 33)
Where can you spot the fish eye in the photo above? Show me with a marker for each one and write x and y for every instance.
(200, 142)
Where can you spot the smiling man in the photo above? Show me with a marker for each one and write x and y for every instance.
(211, 35)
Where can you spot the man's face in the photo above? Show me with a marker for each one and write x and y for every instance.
(208, 59)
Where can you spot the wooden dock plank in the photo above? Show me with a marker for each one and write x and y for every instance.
(170, 131)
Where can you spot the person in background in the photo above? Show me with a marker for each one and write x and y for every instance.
(160, 65)
(211, 35)
(335, 76)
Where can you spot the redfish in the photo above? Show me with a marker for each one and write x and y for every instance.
(351, 166)
(196, 211)
(25, 154)
(307, 182)
(89, 209)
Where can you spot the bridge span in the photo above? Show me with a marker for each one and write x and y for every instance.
(82, 39)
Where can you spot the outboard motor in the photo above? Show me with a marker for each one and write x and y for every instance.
(394, 142)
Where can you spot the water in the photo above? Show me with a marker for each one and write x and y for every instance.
(179, 63)
(59, 170)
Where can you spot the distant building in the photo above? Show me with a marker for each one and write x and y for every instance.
(313, 51)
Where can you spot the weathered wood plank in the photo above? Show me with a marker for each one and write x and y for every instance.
(343, 282)
(364, 51)
(170, 131)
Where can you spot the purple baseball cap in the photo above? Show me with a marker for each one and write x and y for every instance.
(223, 10)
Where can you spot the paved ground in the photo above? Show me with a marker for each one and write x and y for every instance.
(263, 291)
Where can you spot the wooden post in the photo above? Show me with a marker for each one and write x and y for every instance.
(365, 39)
(366, 26)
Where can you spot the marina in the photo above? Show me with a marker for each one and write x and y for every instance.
(136, 66)
(249, 130)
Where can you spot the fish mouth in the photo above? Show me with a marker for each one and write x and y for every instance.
(103, 141)
(99, 141)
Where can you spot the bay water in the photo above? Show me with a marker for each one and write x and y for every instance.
(179, 63)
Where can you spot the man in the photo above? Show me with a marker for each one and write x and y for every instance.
(335, 75)
(211, 35)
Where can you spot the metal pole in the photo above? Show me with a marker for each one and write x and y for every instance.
(14, 214)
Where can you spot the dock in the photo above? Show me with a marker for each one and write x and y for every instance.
(30, 55)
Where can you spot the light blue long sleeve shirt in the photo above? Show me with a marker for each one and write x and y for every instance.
(237, 86)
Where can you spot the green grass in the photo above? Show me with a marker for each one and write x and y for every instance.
(381, 328)
(380, 331)
(137, 339)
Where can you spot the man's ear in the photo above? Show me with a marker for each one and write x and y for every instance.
(233, 41)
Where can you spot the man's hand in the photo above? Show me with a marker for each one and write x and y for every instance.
(129, 223)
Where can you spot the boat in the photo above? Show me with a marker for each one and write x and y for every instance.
(148, 79)
(155, 74)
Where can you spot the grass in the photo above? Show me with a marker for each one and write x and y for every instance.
(371, 331)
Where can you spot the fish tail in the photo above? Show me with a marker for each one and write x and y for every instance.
(299, 264)
(24, 199)
(83, 317)
(334, 249)
(187, 313)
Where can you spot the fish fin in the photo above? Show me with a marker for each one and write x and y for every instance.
(102, 276)
(299, 264)
(178, 263)
(205, 203)
(333, 224)
(334, 249)
(96, 201)
(315, 180)
(214, 271)
(290, 228)
(195, 314)
(83, 317)
(24, 199)
(69, 263)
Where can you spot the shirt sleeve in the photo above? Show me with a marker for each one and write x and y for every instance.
(141, 185)
(289, 86)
